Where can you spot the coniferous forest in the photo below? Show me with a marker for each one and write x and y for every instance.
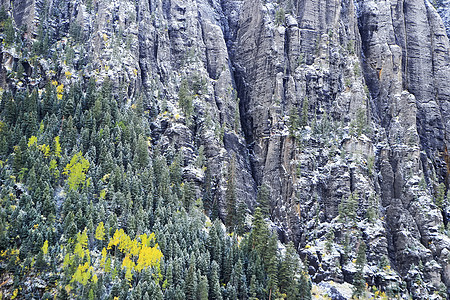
(90, 209)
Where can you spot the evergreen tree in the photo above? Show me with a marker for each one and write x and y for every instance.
(230, 195)
(142, 158)
(347, 208)
(293, 122)
(263, 199)
(304, 287)
(214, 284)
(260, 233)
(359, 282)
(191, 281)
(330, 239)
(202, 288)
(241, 214)
(185, 100)
(287, 272)
(271, 263)
(253, 288)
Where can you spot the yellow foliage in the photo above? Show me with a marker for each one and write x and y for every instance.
(105, 37)
(81, 245)
(68, 74)
(117, 237)
(45, 247)
(32, 141)
(129, 265)
(100, 232)
(103, 260)
(54, 82)
(60, 89)
(102, 194)
(57, 147)
(149, 257)
(79, 250)
(82, 274)
(7, 254)
(146, 240)
(76, 170)
(66, 260)
(45, 149)
(106, 177)
(14, 294)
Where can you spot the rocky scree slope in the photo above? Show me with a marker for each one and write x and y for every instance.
(340, 108)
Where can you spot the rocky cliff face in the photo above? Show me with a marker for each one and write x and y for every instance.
(328, 103)
(382, 65)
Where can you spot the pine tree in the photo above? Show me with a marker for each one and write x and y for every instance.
(330, 239)
(253, 288)
(359, 282)
(304, 287)
(271, 263)
(191, 281)
(230, 195)
(141, 157)
(185, 100)
(40, 263)
(263, 199)
(214, 284)
(69, 108)
(241, 214)
(293, 122)
(69, 225)
(239, 280)
(347, 208)
(288, 269)
(260, 233)
(202, 288)
(372, 210)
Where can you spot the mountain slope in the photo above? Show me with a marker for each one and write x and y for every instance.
(331, 116)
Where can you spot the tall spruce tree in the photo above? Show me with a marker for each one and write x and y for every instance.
(230, 195)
